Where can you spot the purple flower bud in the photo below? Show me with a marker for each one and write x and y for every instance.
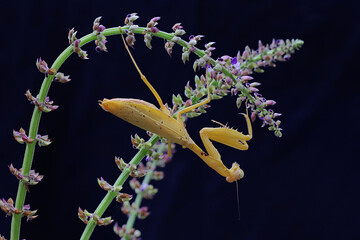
(132, 17)
(143, 187)
(228, 80)
(270, 102)
(287, 57)
(61, 78)
(268, 119)
(188, 103)
(245, 72)
(209, 45)
(77, 43)
(154, 30)
(83, 54)
(225, 58)
(96, 23)
(260, 47)
(70, 35)
(168, 47)
(101, 28)
(155, 19)
(198, 37)
(41, 65)
(254, 84)
(252, 89)
(233, 61)
(245, 54)
(192, 42)
(177, 26)
(143, 212)
(253, 116)
(257, 102)
(246, 78)
(130, 39)
(179, 32)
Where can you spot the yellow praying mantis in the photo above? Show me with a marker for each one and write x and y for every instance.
(159, 121)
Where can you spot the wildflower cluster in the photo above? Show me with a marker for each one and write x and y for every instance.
(122, 231)
(150, 28)
(85, 216)
(43, 67)
(32, 179)
(75, 43)
(9, 209)
(232, 75)
(177, 31)
(100, 38)
(129, 21)
(226, 74)
(46, 106)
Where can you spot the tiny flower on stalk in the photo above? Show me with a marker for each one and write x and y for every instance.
(46, 106)
(43, 140)
(169, 46)
(21, 137)
(101, 39)
(9, 209)
(76, 47)
(107, 187)
(122, 231)
(30, 215)
(97, 26)
(152, 25)
(157, 175)
(123, 197)
(42, 65)
(32, 179)
(85, 216)
(134, 184)
(126, 208)
(178, 29)
(61, 78)
(72, 35)
(149, 191)
(120, 163)
(143, 212)
(130, 18)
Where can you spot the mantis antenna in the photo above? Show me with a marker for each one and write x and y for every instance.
(238, 198)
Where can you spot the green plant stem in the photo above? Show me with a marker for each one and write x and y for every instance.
(35, 120)
(133, 214)
(119, 182)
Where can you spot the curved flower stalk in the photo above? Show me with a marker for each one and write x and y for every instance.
(228, 74)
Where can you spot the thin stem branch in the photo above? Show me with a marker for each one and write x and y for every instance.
(119, 182)
(139, 197)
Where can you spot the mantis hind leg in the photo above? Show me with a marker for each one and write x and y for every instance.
(144, 79)
(152, 89)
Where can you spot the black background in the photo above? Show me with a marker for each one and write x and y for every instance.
(302, 186)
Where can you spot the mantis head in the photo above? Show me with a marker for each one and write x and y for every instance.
(236, 173)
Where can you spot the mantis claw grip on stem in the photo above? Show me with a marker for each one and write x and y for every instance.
(159, 121)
